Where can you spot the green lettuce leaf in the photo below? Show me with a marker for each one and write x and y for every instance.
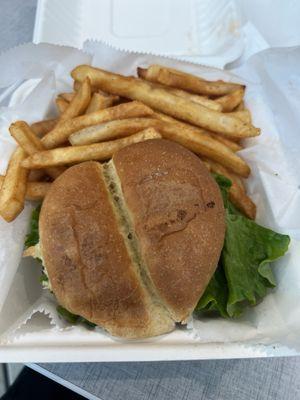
(215, 296)
(246, 256)
(67, 315)
(44, 278)
(244, 273)
(73, 318)
(32, 238)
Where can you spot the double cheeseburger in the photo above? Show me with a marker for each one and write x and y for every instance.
(131, 245)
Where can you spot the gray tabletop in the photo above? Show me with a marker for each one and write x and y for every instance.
(260, 379)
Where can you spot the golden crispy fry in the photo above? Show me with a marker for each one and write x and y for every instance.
(181, 80)
(241, 201)
(208, 103)
(237, 193)
(67, 96)
(23, 135)
(30, 252)
(13, 189)
(111, 130)
(60, 134)
(113, 98)
(21, 132)
(42, 127)
(230, 101)
(168, 103)
(200, 143)
(239, 182)
(97, 151)
(61, 104)
(241, 106)
(96, 103)
(243, 115)
(100, 101)
(229, 143)
(196, 98)
(35, 190)
(79, 103)
(114, 129)
(77, 85)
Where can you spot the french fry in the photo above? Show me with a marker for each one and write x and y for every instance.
(40, 128)
(13, 189)
(111, 130)
(243, 115)
(115, 129)
(76, 154)
(96, 103)
(202, 144)
(239, 182)
(237, 193)
(196, 98)
(241, 106)
(230, 101)
(68, 96)
(35, 190)
(181, 80)
(113, 98)
(100, 101)
(94, 89)
(229, 143)
(23, 135)
(61, 133)
(241, 201)
(30, 252)
(77, 84)
(79, 103)
(166, 102)
(61, 104)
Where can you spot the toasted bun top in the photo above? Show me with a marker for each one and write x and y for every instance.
(89, 267)
(132, 245)
(178, 216)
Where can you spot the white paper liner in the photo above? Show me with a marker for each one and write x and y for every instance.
(270, 79)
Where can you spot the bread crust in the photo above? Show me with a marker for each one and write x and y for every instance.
(89, 268)
(178, 216)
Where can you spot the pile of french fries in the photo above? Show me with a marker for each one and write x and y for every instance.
(107, 111)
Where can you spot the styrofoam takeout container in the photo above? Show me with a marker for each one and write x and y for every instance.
(203, 31)
(29, 323)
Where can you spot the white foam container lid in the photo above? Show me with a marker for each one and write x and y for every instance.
(203, 31)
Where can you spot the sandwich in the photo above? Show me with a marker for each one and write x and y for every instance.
(137, 244)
